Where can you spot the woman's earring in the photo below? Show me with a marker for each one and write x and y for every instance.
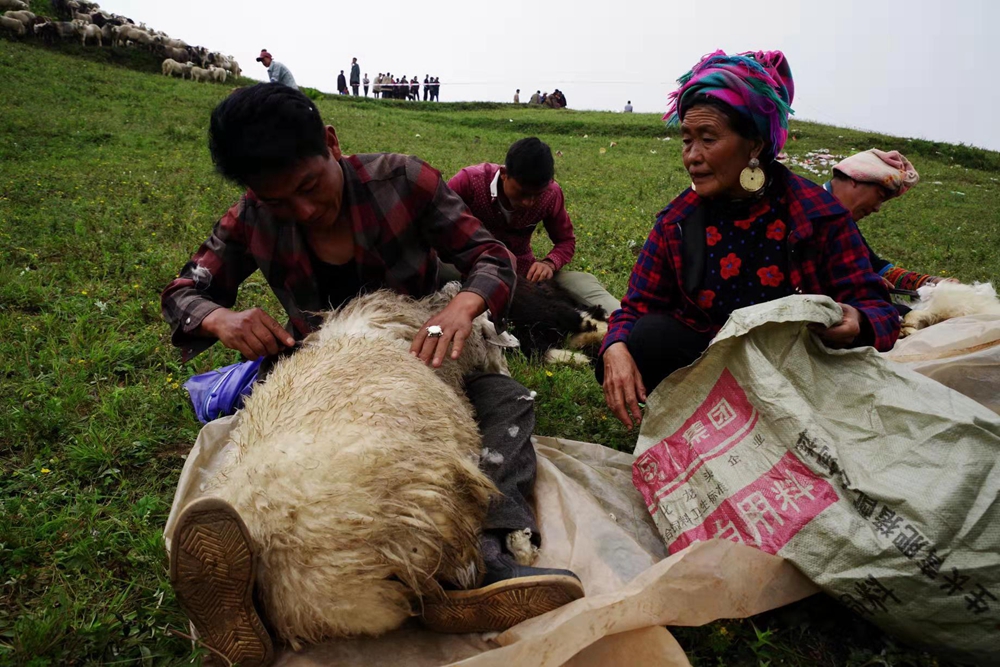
(752, 177)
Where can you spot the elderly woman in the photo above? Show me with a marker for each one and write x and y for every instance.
(865, 181)
(745, 232)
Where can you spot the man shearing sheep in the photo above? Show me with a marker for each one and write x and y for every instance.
(323, 227)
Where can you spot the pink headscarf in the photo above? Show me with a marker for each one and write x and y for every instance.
(757, 84)
(890, 170)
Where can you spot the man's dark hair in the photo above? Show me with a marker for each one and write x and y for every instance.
(529, 162)
(264, 129)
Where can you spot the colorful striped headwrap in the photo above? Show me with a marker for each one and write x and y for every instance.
(758, 85)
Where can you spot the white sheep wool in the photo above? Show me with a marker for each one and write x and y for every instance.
(355, 469)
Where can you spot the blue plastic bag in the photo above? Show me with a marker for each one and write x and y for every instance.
(221, 391)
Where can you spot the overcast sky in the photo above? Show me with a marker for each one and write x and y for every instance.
(915, 69)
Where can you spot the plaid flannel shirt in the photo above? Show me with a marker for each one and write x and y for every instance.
(827, 256)
(403, 216)
(475, 186)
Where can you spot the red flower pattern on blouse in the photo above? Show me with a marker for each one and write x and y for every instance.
(730, 266)
(770, 276)
(744, 224)
(705, 298)
(776, 230)
(712, 235)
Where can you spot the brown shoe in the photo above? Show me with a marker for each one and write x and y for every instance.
(212, 568)
(503, 604)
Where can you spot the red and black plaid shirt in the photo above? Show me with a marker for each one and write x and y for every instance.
(403, 216)
(827, 256)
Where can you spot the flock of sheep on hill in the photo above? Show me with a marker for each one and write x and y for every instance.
(90, 25)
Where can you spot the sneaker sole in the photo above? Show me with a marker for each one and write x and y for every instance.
(500, 606)
(212, 569)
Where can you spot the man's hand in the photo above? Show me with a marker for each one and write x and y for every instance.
(252, 332)
(456, 325)
(843, 334)
(623, 387)
(540, 271)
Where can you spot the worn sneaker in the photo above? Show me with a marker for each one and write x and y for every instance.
(510, 594)
(212, 569)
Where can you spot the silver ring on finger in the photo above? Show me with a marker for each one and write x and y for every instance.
(434, 331)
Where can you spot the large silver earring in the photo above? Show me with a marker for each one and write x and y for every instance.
(752, 177)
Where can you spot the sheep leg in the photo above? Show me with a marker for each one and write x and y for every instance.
(918, 319)
(591, 338)
(519, 544)
(553, 357)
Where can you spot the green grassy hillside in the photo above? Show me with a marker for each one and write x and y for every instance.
(106, 187)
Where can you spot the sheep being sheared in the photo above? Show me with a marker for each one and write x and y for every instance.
(355, 470)
(551, 325)
(946, 300)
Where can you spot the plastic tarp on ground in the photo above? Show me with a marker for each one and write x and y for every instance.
(962, 353)
(594, 522)
(880, 484)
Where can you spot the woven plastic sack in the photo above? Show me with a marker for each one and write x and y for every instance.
(878, 483)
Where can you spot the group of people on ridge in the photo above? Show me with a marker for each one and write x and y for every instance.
(389, 87)
(324, 227)
(554, 100)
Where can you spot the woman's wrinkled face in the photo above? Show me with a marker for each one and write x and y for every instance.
(714, 153)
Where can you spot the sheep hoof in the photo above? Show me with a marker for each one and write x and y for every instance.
(212, 570)
(520, 546)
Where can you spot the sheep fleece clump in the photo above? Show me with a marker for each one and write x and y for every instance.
(356, 472)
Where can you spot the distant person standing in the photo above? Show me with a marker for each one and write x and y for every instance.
(628, 107)
(536, 98)
(276, 72)
(341, 83)
(366, 82)
(427, 87)
(377, 87)
(415, 88)
(517, 96)
(437, 89)
(355, 75)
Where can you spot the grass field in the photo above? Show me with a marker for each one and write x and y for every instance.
(106, 187)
